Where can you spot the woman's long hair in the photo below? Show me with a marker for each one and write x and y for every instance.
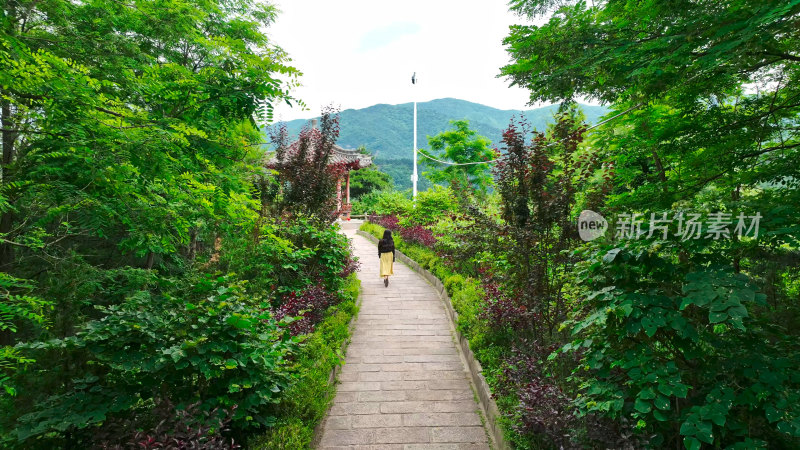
(387, 236)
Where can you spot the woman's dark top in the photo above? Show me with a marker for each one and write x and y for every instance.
(386, 246)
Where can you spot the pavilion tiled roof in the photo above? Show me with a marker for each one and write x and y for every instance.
(350, 156)
(339, 154)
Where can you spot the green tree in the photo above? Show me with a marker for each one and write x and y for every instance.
(369, 179)
(126, 133)
(707, 94)
(400, 171)
(460, 145)
(129, 134)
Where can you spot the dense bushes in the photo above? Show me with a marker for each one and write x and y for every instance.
(215, 342)
(686, 338)
(694, 353)
(309, 306)
(430, 205)
(189, 427)
(382, 203)
(413, 233)
(18, 308)
(409, 220)
(289, 255)
(208, 343)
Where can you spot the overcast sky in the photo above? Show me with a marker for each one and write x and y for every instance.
(357, 53)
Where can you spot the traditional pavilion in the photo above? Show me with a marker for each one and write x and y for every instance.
(351, 159)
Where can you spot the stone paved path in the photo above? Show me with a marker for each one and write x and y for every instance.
(404, 384)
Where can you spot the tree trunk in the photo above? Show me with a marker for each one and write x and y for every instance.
(656, 159)
(6, 217)
(661, 174)
(737, 255)
(193, 244)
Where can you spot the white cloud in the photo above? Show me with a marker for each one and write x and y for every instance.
(356, 53)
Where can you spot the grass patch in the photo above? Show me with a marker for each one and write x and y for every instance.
(304, 405)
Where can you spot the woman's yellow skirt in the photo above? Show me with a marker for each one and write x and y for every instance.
(387, 260)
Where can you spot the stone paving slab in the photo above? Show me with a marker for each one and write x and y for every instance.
(404, 384)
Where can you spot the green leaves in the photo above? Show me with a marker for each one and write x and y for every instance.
(643, 406)
(430, 206)
(127, 137)
(657, 351)
(696, 431)
(239, 322)
(686, 336)
(698, 424)
(724, 294)
(17, 307)
(662, 402)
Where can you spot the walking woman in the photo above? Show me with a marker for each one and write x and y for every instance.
(386, 254)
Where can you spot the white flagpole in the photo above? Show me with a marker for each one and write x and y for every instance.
(414, 175)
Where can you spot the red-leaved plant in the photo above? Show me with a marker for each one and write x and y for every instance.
(418, 234)
(179, 429)
(306, 174)
(309, 305)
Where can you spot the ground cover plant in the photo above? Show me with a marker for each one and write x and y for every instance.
(305, 403)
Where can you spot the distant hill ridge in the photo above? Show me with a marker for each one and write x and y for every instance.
(387, 130)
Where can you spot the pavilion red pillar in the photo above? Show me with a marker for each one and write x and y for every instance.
(348, 187)
(339, 193)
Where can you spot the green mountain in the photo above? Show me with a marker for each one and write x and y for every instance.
(387, 130)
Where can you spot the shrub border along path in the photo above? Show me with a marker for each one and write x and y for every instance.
(319, 428)
(487, 404)
(306, 404)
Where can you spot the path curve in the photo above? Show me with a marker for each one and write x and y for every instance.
(404, 384)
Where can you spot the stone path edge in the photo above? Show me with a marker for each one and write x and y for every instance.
(488, 404)
(317, 436)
